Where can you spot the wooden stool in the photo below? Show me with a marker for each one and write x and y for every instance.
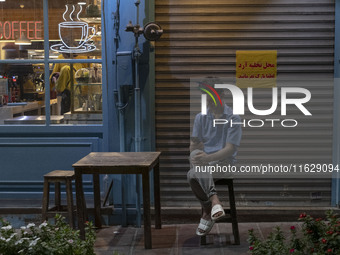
(57, 177)
(231, 216)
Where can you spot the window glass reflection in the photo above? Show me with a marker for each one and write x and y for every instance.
(22, 94)
(75, 27)
(79, 92)
(75, 88)
(21, 29)
(75, 96)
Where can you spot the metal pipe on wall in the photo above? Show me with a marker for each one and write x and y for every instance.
(121, 119)
(151, 32)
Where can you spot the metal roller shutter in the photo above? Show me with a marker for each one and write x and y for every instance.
(200, 39)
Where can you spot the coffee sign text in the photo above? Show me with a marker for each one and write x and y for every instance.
(11, 30)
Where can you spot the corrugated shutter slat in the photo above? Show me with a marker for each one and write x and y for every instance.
(200, 39)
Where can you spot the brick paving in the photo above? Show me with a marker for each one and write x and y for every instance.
(180, 239)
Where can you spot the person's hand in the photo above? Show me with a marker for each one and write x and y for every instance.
(200, 146)
(196, 146)
(200, 158)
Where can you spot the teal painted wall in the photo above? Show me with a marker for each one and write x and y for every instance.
(25, 160)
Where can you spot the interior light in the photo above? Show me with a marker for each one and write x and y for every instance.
(2, 0)
(22, 40)
(82, 3)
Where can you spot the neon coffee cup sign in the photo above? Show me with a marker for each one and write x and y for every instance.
(74, 34)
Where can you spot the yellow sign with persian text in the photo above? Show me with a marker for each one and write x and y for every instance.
(257, 69)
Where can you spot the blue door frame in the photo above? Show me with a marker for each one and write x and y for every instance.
(122, 64)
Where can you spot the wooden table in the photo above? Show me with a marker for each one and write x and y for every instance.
(97, 163)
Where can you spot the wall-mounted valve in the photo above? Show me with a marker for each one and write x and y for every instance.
(151, 31)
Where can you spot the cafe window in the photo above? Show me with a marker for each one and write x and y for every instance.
(55, 75)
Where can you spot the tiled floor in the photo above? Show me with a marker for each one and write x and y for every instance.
(179, 239)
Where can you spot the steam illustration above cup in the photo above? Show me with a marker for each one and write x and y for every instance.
(74, 34)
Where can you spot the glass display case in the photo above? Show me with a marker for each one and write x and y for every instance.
(86, 90)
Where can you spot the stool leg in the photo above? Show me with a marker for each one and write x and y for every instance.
(70, 202)
(233, 213)
(57, 195)
(46, 200)
(203, 239)
(86, 216)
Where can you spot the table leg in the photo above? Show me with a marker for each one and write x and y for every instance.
(80, 203)
(124, 212)
(46, 200)
(138, 203)
(157, 197)
(97, 204)
(146, 206)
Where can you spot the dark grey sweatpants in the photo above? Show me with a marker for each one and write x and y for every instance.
(202, 183)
